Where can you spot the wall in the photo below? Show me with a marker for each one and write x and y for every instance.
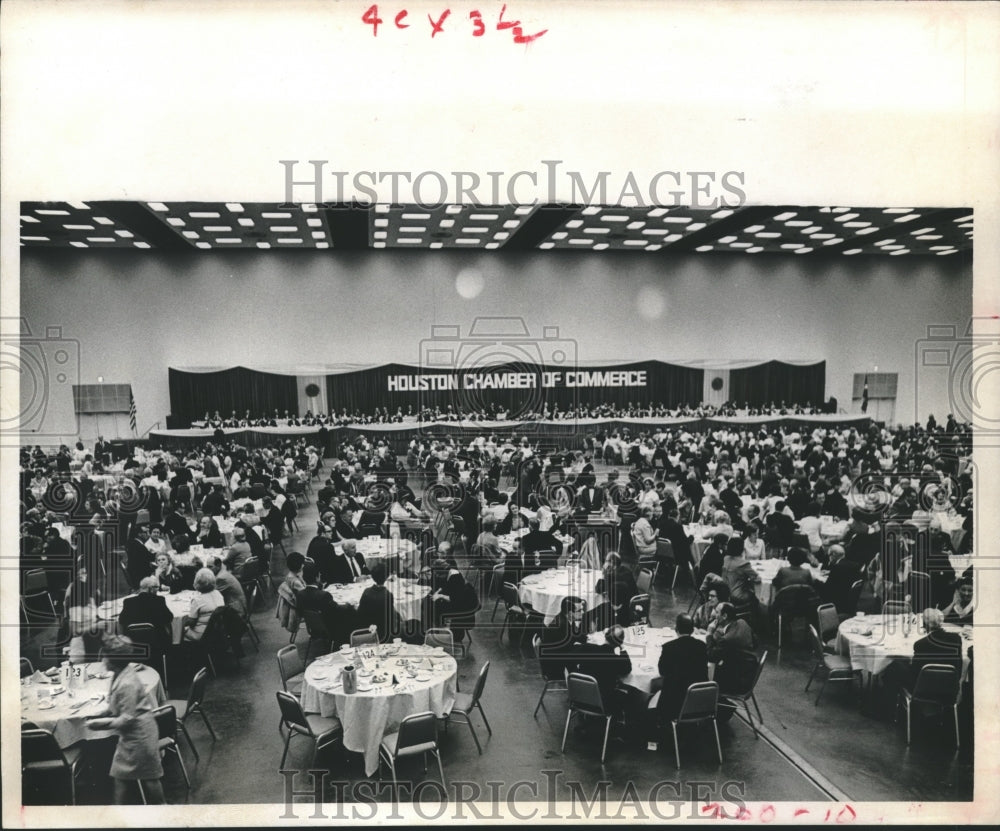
(136, 313)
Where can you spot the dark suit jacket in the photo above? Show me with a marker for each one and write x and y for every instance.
(601, 662)
(148, 608)
(939, 647)
(339, 619)
(174, 524)
(559, 645)
(671, 529)
(340, 569)
(843, 574)
(320, 550)
(590, 500)
(539, 541)
(376, 607)
(683, 662)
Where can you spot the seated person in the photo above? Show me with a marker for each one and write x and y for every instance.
(347, 564)
(712, 559)
(810, 525)
(208, 534)
(206, 601)
(156, 544)
(843, 574)
(229, 587)
(377, 607)
(168, 576)
(536, 541)
(795, 573)
(608, 663)
(240, 550)
(457, 597)
(705, 613)
(487, 541)
(338, 619)
(561, 637)
(683, 662)
(962, 605)
(753, 545)
(148, 607)
(936, 647)
(727, 632)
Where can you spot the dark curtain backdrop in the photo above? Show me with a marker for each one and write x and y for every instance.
(367, 389)
(239, 388)
(775, 382)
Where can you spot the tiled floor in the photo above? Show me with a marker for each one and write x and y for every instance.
(837, 750)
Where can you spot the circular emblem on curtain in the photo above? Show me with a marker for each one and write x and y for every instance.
(716, 383)
(312, 390)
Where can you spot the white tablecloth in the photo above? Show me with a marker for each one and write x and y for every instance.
(546, 591)
(951, 524)
(832, 530)
(226, 526)
(179, 605)
(66, 720)
(407, 595)
(702, 535)
(507, 540)
(767, 569)
(377, 709)
(643, 644)
(378, 549)
(196, 552)
(873, 641)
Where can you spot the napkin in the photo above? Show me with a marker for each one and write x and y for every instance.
(39, 678)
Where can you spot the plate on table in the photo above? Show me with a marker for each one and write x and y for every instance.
(364, 687)
(46, 705)
(102, 675)
(58, 689)
(423, 676)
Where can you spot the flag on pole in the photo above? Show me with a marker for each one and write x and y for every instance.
(864, 397)
(131, 410)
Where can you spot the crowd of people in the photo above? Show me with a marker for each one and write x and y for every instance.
(498, 412)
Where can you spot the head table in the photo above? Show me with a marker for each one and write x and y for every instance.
(425, 680)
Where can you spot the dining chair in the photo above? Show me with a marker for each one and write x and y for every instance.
(291, 668)
(552, 679)
(167, 725)
(43, 761)
(696, 598)
(250, 594)
(361, 637)
(938, 686)
(585, 699)
(144, 634)
(665, 554)
(322, 730)
(700, 705)
(644, 580)
(838, 667)
(747, 694)
(829, 623)
(465, 703)
(639, 606)
(417, 735)
(35, 580)
(193, 704)
(317, 630)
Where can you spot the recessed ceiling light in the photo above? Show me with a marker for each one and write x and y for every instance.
(322, 245)
(866, 231)
(798, 223)
(547, 245)
(755, 250)
(897, 210)
(853, 251)
(922, 231)
(768, 234)
(453, 209)
(312, 222)
(613, 218)
(483, 217)
(929, 236)
(653, 214)
(100, 239)
(672, 237)
(941, 247)
(245, 221)
(475, 229)
(742, 245)
(791, 246)
(40, 239)
(900, 251)
(205, 214)
(436, 245)
(74, 243)
(804, 250)
(276, 215)
(382, 223)
(318, 235)
(512, 223)
(141, 244)
(79, 227)
(784, 217)
(447, 223)
(654, 247)
(228, 241)
(753, 229)
(51, 212)
(857, 224)
(635, 226)
(492, 245)
(523, 209)
(103, 220)
(599, 231)
(822, 236)
(309, 207)
(812, 229)
(408, 240)
(695, 226)
(724, 213)
(29, 219)
(632, 242)
(124, 234)
(379, 245)
(222, 229)
(379, 235)
(290, 240)
(891, 247)
(946, 253)
(412, 216)
(703, 248)
(263, 245)
(728, 239)
(834, 241)
(677, 220)
(282, 229)
(501, 235)
(79, 206)
(600, 246)
(158, 206)
(655, 232)
(841, 210)
(846, 217)
(191, 234)
(907, 218)
(234, 207)
(413, 229)
(381, 208)
(884, 242)
(203, 245)
(177, 222)
(467, 241)
(577, 241)
(560, 235)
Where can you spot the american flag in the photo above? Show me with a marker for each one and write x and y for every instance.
(131, 410)
(864, 397)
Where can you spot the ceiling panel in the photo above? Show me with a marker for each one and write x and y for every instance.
(218, 225)
(76, 225)
(446, 226)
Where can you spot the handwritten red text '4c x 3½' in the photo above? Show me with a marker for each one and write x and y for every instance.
(478, 27)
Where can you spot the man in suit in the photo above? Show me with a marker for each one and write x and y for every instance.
(377, 607)
(338, 620)
(670, 528)
(347, 564)
(148, 607)
(321, 551)
(138, 558)
(535, 541)
(563, 636)
(175, 523)
(215, 503)
(608, 663)
(240, 551)
(229, 587)
(936, 647)
(683, 662)
(843, 574)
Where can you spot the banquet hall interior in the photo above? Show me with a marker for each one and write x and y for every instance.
(753, 405)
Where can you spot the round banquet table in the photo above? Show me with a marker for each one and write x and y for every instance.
(179, 604)
(545, 591)
(67, 719)
(767, 569)
(380, 550)
(407, 595)
(643, 644)
(426, 679)
(507, 541)
(873, 642)
(832, 530)
(196, 556)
